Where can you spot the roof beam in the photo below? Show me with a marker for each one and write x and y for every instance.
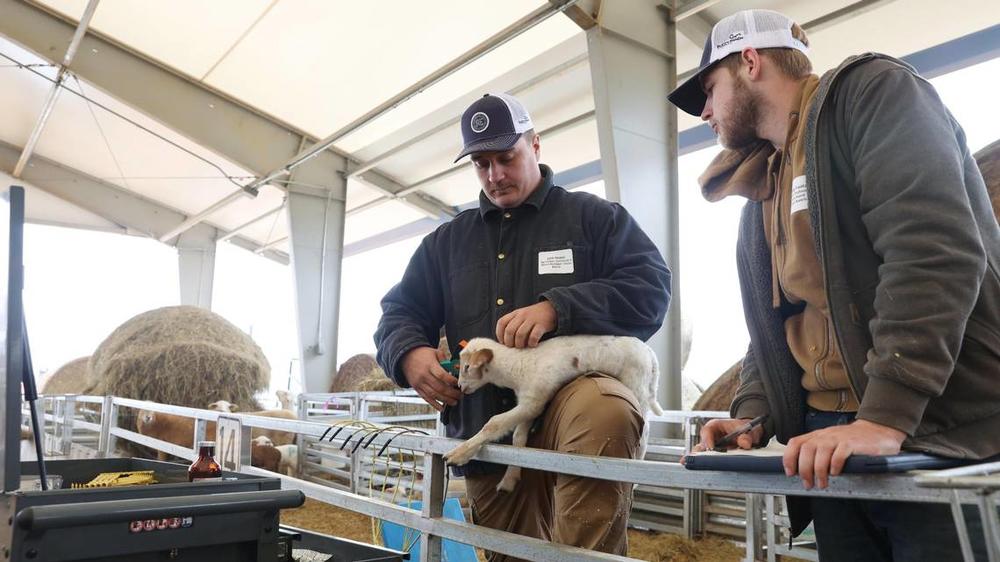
(250, 222)
(498, 39)
(454, 118)
(957, 54)
(132, 212)
(847, 12)
(422, 202)
(50, 100)
(199, 217)
(242, 135)
(692, 8)
(696, 28)
(585, 13)
(934, 61)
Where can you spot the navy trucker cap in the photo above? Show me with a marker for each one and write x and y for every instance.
(492, 123)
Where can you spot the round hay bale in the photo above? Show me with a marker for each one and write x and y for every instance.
(182, 355)
(352, 373)
(988, 160)
(71, 378)
(375, 380)
(719, 395)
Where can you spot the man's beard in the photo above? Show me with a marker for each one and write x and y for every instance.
(740, 128)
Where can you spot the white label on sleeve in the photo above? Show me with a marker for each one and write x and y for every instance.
(800, 195)
(556, 261)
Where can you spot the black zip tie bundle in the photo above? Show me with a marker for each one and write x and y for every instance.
(371, 432)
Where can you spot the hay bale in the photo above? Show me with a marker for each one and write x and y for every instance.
(719, 395)
(988, 160)
(361, 373)
(690, 392)
(181, 355)
(71, 378)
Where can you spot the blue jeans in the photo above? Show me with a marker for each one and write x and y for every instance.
(863, 530)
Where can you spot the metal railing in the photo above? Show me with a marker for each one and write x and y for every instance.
(74, 424)
(983, 480)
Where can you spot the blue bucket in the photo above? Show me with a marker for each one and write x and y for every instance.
(394, 534)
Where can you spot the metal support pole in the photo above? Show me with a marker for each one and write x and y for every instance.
(302, 407)
(196, 266)
(316, 228)
(246, 448)
(356, 409)
(110, 442)
(58, 423)
(694, 500)
(991, 524)
(632, 67)
(772, 528)
(958, 514)
(755, 550)
(433, 505)
(102, 439)
(200, 429)
(66, 431)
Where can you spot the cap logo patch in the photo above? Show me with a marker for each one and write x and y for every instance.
(733, 37)
(479, 122)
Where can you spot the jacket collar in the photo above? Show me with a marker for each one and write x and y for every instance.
(536, 199)
(744, 171)
(738, 172)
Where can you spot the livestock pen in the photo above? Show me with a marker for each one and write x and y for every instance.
(87, 426)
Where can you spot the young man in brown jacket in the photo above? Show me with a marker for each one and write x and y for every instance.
(869, 262)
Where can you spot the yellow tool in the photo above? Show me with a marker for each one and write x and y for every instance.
(112, 479)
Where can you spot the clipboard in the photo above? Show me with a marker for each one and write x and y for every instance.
(768, 459)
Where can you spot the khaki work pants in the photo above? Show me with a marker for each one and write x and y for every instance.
(593, 415)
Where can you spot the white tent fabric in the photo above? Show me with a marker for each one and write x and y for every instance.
(318, 66)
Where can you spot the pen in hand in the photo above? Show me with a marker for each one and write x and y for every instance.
(722, 445)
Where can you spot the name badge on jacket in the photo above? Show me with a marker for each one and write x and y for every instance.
(556, 261)
(800, 194)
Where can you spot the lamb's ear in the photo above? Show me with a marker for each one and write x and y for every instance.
(481, 357)
(487, 355)
(233, 407)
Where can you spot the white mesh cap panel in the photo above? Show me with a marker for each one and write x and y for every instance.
(522, 121)
(760, 29)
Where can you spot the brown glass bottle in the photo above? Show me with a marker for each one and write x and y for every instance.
(205, 467)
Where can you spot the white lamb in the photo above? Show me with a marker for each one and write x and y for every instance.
(536, 375)
(223, 406)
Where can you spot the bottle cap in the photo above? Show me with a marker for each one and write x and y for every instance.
(206, 444)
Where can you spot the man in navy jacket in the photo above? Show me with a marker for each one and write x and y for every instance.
(533, 261)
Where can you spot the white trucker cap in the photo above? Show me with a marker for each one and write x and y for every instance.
(760, 29)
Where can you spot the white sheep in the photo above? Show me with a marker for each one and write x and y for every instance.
(289, 459)
(286, 399)
(536, 375)
(223, 406)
